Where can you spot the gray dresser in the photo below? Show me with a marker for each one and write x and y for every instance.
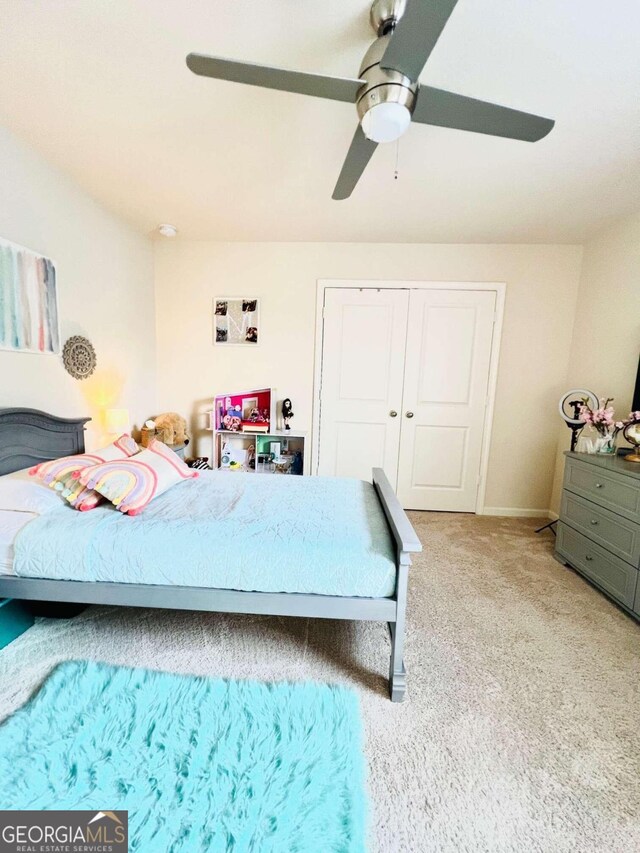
(599, 527)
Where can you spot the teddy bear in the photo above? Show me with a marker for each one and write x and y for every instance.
(171, 428)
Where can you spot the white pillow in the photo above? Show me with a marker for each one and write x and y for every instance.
(21, 493)
(11, 523)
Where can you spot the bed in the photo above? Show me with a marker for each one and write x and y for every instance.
(222, 543)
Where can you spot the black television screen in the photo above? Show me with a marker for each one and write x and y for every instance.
(636, 394)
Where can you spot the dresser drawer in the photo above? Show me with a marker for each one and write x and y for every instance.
(618, 493)
(608, 529)
(615, 576)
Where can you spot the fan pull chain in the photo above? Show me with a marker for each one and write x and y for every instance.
(395, 174)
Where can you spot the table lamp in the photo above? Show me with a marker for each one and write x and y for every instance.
(117, 421)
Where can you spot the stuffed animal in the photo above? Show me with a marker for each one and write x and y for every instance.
(171, 428)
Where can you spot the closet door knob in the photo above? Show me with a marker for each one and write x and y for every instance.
(589, 558)
(409, 414)
(393, 414)
(593, 521)
(598, 485)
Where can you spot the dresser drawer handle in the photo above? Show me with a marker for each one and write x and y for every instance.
(598, 485)
(594, 521)
(588, 558)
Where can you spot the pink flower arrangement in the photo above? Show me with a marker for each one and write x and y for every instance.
(603, 418)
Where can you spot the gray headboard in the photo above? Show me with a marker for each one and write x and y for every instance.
(29, 436)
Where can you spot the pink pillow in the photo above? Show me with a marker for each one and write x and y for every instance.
(59, 473)
(130, 484)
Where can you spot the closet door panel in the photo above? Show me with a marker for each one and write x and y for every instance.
(363, 352)
(445, 391)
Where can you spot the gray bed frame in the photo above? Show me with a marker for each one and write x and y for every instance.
(29, 436)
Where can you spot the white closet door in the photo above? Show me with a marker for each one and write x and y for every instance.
(363, 349)
(445, 394)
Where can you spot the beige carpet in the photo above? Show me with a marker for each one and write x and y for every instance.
(522, 727)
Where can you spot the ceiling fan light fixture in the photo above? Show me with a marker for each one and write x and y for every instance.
(385, 122)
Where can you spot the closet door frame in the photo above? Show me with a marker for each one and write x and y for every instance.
(499, 288)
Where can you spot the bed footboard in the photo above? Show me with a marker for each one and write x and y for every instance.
(407, 542)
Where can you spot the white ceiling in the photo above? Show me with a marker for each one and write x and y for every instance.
(100, 87)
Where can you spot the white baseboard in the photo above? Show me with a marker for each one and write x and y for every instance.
(518, 512)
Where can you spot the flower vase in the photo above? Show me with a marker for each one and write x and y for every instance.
(606, 444)
(595, 442)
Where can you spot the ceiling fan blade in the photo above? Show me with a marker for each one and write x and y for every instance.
(358, 156)
(446, 109)
(319, 85)
(416, 35)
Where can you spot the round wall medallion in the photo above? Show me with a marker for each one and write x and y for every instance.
(79, 357)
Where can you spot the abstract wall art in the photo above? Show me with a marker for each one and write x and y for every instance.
(29, 320)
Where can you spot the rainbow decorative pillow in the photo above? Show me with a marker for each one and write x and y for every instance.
(130, 484)
(59, 473)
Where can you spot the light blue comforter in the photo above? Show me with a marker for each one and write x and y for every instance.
(225, 530)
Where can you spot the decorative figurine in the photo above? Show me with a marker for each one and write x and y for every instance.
(297, 464)
(287, 412)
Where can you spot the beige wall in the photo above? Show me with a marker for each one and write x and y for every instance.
(105, 281)
(606, 332)
(542, 284)
(559, 301)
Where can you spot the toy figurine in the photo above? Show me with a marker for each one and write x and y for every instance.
(287, 412)
(232, 423)
(297, 463)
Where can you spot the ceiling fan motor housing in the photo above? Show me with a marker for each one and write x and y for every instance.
(385, 14)
(383, 85)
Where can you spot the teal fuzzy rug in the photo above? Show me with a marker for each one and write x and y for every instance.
(200, 764)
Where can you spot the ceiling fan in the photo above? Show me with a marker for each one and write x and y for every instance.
(387, 93)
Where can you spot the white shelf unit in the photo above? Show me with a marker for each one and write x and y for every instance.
(290, 441)
(279, 446)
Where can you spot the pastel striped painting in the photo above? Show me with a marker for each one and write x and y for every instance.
(28, 301)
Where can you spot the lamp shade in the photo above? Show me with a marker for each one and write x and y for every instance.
(117, 421)
(386, 122)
